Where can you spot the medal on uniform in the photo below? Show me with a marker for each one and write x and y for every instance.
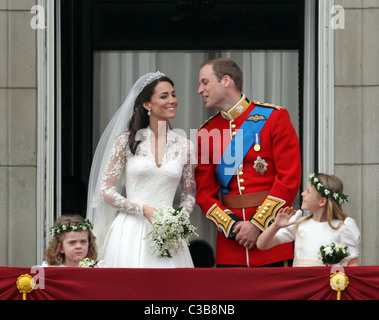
(260, 165)
(257, 146)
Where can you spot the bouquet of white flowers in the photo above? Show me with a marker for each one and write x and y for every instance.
(88, 263)
(169, 228)
(332, 253)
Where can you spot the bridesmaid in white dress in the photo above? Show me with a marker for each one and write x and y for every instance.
(147, 160)
(327, 223)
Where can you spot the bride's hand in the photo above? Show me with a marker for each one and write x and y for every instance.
(148, 212)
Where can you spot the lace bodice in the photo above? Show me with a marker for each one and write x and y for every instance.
(146, 182)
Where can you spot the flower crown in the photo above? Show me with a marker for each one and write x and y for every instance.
(340, 198)
(150, 79)
(81, 226)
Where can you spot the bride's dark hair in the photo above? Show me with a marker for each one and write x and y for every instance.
(140, 119)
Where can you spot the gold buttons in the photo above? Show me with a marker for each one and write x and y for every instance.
(233, 126)
(242, 188)
(233, 133)
(220, 216)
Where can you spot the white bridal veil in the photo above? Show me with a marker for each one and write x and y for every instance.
(100, 214)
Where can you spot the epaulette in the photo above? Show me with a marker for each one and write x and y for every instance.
(209, 120)
(264, 104)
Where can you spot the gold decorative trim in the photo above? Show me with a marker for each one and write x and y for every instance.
(221, 218)
(264, 104)
(266, 212)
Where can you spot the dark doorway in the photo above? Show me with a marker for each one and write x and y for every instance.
(89, 25)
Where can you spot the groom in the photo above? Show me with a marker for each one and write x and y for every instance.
(251, 152)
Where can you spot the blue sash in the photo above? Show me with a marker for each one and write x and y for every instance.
(240, 144)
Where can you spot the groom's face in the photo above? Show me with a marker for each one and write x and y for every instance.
(210, 89)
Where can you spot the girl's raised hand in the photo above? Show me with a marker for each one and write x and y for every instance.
(283, 217)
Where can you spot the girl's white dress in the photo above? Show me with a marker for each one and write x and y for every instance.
(313, 234)
(147, 183)
(100, 264)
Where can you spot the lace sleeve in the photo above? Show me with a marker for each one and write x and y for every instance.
(187, 183)
(108, 191)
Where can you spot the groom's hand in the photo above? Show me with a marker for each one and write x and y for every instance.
(246, 233)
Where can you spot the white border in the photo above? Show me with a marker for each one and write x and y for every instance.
(325, 88)
(46, 127)
(309, 96)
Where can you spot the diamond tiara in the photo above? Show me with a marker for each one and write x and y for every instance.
(150, 79)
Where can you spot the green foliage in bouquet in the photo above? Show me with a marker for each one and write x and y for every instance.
(169, 228)
(332, 253)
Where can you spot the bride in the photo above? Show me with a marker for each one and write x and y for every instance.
(137, 167)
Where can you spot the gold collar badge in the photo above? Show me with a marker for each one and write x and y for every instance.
(237, 110)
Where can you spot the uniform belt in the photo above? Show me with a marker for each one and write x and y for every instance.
(248, 200)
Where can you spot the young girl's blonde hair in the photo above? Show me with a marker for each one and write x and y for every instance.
(334, 209)
(54, 256)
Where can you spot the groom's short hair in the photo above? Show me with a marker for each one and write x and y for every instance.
(226, 66)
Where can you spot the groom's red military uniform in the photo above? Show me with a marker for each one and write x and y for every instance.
(267, 179)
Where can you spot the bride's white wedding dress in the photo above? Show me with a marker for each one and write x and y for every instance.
(147, 183)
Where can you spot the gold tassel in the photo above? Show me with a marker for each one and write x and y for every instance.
(25, 284)
(338, 282)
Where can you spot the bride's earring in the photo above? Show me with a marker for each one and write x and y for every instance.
(149, 112)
